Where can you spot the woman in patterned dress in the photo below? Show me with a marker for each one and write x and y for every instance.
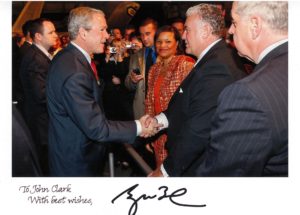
(164, 78)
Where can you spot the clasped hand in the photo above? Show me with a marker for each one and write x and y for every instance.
(150, 126)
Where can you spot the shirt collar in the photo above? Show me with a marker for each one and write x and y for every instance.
(86, 55)
(43, 50)
(269, 49)
(206, 50)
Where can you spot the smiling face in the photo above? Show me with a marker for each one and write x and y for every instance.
(166, 45)
(97, 35)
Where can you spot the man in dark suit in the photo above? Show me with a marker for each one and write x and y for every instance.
(250, 128)
(18, 54)
(78, 127)
(33, 74)
(28, 40)
(189, 113)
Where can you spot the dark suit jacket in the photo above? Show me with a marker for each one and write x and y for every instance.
(25, 162)
(250, 129)
(77, 122)
(194, 103)
(33, 73)
(23, 49)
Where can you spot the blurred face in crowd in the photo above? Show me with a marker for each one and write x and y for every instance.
(192, 36)
(241, 34)
(96, 37)
(127, 33)
(137, 44)
(147, 34)
(166, 45)
(48, 38)
(117, 34)
(179, 26)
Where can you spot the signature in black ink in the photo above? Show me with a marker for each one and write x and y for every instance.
(134, 206)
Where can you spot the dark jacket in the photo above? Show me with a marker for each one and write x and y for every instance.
(193, 104)
(78, 126)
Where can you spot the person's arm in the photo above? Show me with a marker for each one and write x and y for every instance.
(81, 106)
(241, 135)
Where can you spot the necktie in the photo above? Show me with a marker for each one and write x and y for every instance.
(93, 65)
(149, 63)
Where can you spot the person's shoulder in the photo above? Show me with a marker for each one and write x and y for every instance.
(185, 58)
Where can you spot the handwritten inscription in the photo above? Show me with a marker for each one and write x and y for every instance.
(164, 195)
(56, 194)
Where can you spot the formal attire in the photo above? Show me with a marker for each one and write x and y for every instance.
(33, 74)
(250, 128)
(163, 80)
(24, 48)
(78, 128)
(193, 104)
(25, 161)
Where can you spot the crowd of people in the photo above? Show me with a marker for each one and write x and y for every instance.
(189, 101)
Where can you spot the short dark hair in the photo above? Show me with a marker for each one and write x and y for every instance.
(133, 35)
(37, 26)
(26, 27)
(177, 19)
(148, 21)
(177, 36)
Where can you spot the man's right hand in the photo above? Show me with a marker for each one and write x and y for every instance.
(135, 78)
(150, 126)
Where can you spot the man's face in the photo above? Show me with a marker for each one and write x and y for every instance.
(179, 26)
(127, 33)
(241, 34)
(97, 36)
(117, 33)
(192, 36)
(49, 36)
(147, 34)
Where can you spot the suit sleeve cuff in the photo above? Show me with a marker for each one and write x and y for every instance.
(138, 127)
(163, 171)
(162, 119)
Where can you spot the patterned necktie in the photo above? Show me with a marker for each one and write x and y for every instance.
(93, 65)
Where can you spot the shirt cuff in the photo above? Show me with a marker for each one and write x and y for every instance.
(138, 127)
(163, 171)
(162, 119)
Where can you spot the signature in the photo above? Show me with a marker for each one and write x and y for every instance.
(133, 208)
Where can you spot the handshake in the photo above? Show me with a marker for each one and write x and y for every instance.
(150, 126)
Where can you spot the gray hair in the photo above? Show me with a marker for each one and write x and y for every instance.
(210, 14)
(274, 13)
(81, 17)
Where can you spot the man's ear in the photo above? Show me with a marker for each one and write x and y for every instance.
(82, 33)
(255, 26)
(38, 36)
(205, 30)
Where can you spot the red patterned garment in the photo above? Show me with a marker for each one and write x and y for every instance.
(163, 80)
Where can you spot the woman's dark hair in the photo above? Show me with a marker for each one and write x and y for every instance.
(177, 36)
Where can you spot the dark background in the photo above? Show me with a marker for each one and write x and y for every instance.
(162, 11)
